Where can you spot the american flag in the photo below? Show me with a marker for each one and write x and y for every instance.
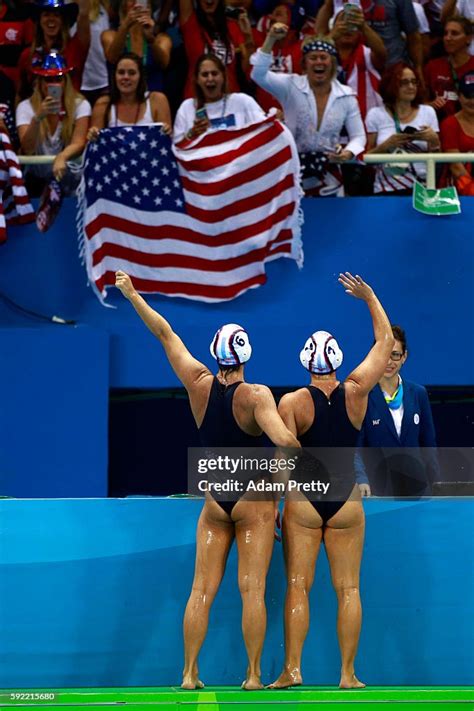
(15, 206)
(200, 225)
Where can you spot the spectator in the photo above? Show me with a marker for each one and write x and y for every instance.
(303, 12)
(457, 135)
(16, 33)
(464, 8)
(136, 33)
(403, 125)
(317, 108)
(48, 125)
(167, 20)
(213, 106)
(286, 52)
(362, 56)
(95, 80)
(129, 104)
(433, 9)
(53, 18)
(207, 30)
(423, 28)
(394, 20)
(398, 416)
(443, 75)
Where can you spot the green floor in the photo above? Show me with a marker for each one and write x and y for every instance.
(454, 698)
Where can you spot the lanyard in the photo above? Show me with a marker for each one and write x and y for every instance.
(398, 128)
(454, 75)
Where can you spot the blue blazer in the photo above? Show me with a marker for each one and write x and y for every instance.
(409, 472)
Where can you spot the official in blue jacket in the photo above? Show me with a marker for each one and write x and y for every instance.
(397, 424)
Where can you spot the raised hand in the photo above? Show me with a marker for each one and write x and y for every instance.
(356, 286)
(124, 283)
(278, 31)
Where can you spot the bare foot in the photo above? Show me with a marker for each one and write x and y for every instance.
(191, 682)
(287, 678)
(350, 681)
(252, 683)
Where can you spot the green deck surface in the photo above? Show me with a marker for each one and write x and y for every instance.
(452, 698)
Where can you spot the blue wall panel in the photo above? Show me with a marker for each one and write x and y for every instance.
(54, 385)
(420, 266)
(93, 591)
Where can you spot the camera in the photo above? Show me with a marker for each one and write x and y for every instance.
(233, 12)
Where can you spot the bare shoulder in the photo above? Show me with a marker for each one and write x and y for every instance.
(100, 107)
(102, 101)
(253, 395)
(255, 392)
(108, 36)
(157, 97)
(297, 407)
(296, 399)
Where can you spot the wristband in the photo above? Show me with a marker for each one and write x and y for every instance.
(38, 119)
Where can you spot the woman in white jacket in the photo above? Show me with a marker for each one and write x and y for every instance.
(316, 108)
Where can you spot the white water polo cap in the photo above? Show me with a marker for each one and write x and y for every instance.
(231, 345)
(321, 353)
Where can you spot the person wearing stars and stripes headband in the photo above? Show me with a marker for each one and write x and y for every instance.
(317, 108)
(228, 413)
(328, 415)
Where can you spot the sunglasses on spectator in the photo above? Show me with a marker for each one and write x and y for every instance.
(396, 355)
(408, 82)
(52, 80)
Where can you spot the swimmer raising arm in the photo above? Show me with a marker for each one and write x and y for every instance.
(188, 369)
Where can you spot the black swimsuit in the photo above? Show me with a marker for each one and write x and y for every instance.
(332, 429)
(219, 428)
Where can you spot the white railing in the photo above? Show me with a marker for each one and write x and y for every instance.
(429, 158)
(36, 160)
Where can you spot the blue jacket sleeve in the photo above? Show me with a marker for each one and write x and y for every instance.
(428, 437)
(359, 466)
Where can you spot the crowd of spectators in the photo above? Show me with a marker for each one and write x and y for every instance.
(346, 78)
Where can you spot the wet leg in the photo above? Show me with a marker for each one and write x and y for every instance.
(254, 527)
(301, 545)
(344, 540)
(213, 541)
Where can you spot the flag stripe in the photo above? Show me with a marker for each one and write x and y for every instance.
(240, 206)
(15, 206)
(251, 145)
(220, 293)
(156, 232)
(217, 138)
(236, 181)
(172, 260)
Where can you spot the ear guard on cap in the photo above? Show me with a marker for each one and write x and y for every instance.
(231, 345)
(321, 353)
